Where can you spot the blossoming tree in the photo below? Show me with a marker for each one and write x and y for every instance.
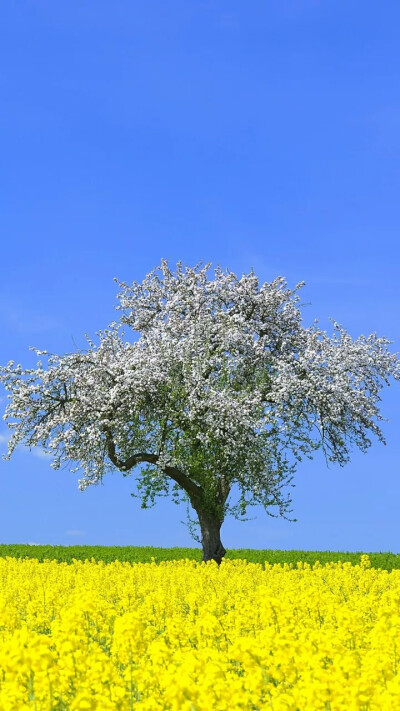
(221, 386)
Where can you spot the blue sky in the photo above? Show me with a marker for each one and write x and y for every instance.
(260, 134)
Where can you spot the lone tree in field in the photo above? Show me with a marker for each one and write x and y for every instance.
(222, 386)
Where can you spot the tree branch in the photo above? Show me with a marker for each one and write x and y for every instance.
(174, 473)
(194, 490)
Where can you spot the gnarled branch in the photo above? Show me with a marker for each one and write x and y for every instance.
(175, 473)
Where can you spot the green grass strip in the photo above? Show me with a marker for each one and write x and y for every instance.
(144, 554)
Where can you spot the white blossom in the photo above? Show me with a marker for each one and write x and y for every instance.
(219, 384)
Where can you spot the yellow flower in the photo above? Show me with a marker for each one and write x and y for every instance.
(188, 636)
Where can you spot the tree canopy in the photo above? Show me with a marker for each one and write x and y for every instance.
(220, 384)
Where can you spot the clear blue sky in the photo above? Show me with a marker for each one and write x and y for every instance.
(260, 134)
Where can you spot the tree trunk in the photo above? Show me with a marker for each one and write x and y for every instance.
(210, 527)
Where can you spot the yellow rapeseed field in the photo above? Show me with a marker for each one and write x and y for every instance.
(187, 636)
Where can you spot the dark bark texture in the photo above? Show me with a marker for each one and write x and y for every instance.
(210, 522)
(210, 527)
